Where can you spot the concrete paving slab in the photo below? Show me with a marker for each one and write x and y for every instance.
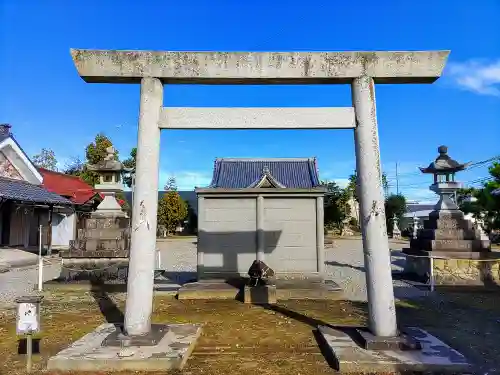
(88, 353)
(435, 355)
(208, 290)
(285, 290)
(12, 258)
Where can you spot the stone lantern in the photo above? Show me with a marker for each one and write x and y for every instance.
(444, 169)
(101, 248)
(110, 182)
(449, 249)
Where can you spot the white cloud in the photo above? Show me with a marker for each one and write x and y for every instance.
(186, 180)
(479, 76)
(341, 182)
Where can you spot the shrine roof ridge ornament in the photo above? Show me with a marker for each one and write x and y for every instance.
(129, 66)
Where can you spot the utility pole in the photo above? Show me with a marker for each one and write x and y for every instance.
(397, 179)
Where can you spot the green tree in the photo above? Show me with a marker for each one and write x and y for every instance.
(395, 205)
(486, 205)
(463, 195)
(45, 159)
(74, 167)
(192, 219)
(94, 153)
(171, 184)
(130, 163)
(171, 207)
(352, 186)
(336, 206)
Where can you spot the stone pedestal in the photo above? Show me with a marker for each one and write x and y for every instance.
(460, 253)
(449, 231)
(260, 294)
(100, 351)
(434, 355)
(100, 252)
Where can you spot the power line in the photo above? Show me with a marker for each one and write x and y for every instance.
(397, 179)
(471, 166)
(475, 181)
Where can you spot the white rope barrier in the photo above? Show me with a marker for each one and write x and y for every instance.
(447, 258)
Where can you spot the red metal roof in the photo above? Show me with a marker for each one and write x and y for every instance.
(72, 187)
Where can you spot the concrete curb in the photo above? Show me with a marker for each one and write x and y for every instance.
(6, 267)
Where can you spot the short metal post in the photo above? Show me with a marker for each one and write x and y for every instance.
(29, 351)
(432, 273)
(158, 259)
(40, 260)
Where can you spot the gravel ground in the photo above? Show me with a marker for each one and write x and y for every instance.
(178, 258)
(344, 265)
(22, 281)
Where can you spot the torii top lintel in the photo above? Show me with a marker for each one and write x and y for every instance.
(114, 66)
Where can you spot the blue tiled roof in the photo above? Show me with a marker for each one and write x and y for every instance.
(26, 192)
(295, 173)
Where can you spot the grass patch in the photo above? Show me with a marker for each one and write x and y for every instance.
(237, 338)
(177, 237)
(246, 339)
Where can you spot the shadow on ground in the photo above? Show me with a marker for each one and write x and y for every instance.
(315, 323)
(181, 277)
(398, 260)
(469, 323)
(344, 265)
(107, 306)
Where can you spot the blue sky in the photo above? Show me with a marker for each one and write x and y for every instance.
(49, 106)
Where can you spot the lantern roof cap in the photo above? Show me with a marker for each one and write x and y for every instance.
(109, 163)
(444, 164)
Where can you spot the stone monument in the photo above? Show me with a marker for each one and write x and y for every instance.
(458, 247)
(100, 251)
(260, 288)
(396, 232)
(415, 226)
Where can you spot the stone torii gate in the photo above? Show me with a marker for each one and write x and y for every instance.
(361, 70)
